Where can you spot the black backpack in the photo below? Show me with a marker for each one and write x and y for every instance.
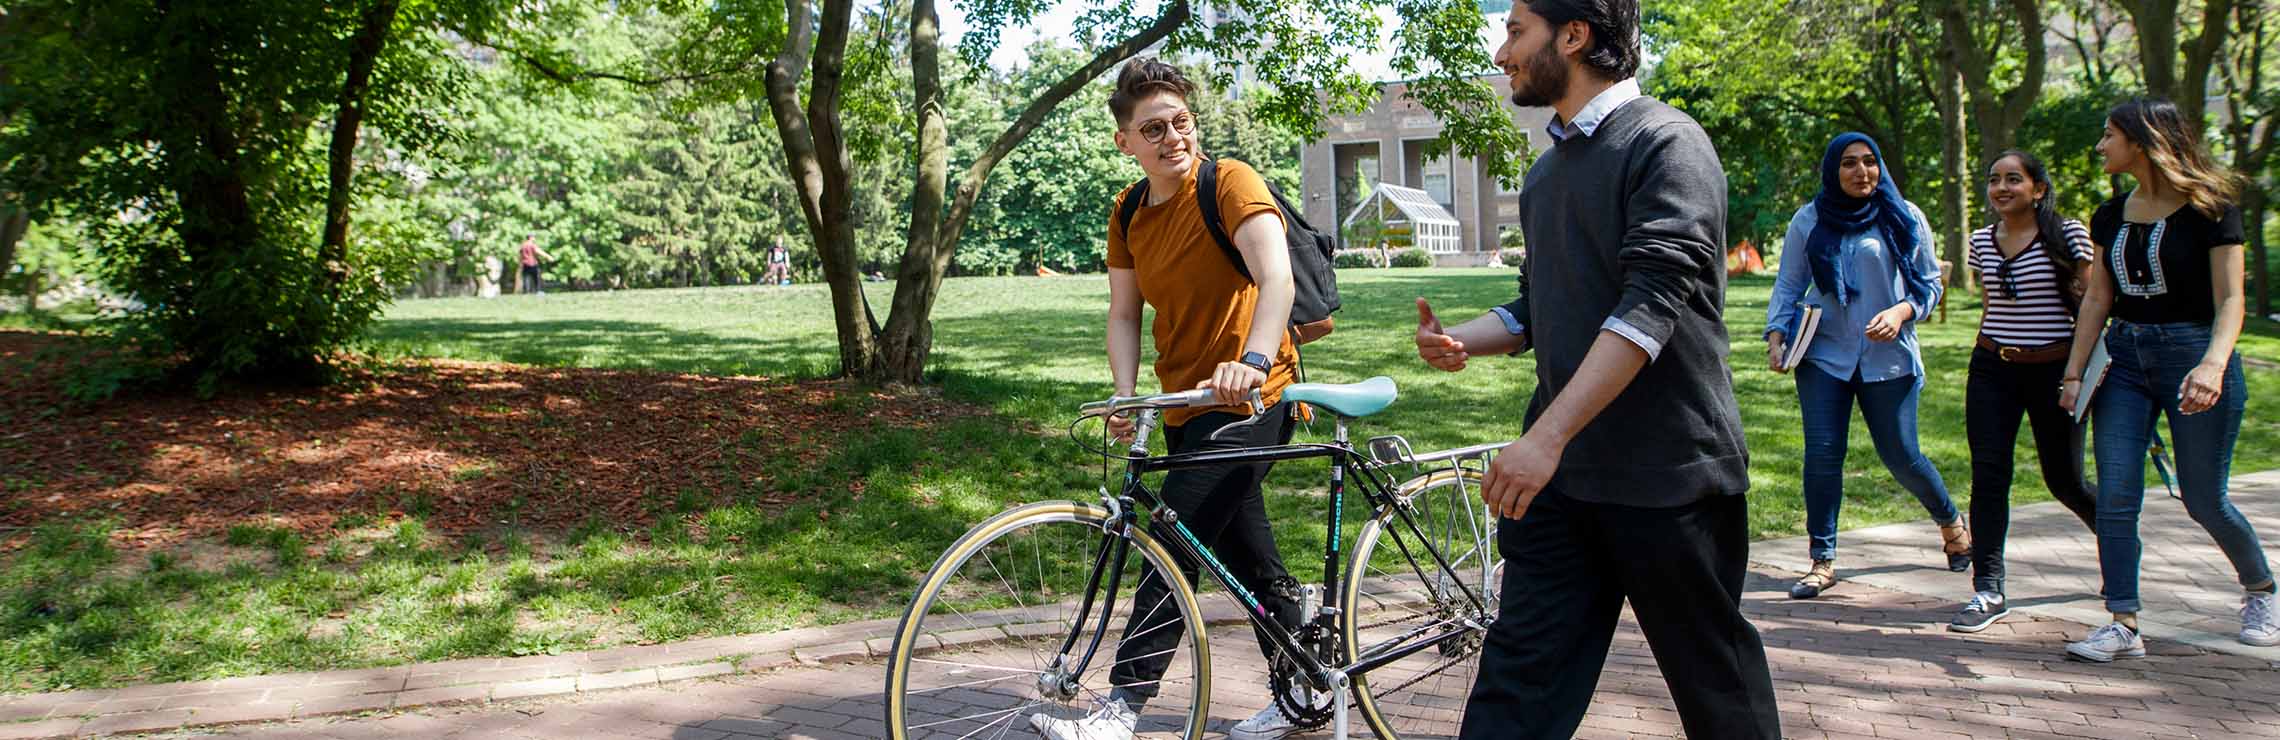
(1310, 251)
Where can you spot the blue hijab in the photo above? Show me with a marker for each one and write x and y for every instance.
(1841, 215)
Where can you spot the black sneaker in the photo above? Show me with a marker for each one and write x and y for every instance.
(1986, 608)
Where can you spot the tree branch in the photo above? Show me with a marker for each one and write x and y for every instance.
(970, 187)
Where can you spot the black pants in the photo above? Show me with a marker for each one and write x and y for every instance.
(1994, 397)
(1224, 509)
(1569, 565)
(530, 279)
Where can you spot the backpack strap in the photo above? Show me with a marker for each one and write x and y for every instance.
(1125, 209)
(1207, 181)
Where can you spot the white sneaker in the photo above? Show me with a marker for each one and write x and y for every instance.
(2260, 620)
(1269, 723)
(1112, 721)
(2109, 642)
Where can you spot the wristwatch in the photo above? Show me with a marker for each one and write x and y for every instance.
(1256, 360)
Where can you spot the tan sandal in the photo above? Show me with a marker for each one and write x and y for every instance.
(1955, 542)
(1819, 579)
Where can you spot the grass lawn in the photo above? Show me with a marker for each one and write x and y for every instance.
(1032, 348)
(381, 589)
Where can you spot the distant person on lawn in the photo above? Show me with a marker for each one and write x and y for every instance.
(779, 265)
(532, 256)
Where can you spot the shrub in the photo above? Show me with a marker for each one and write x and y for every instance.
(1412, 257)
(1511, 257)
(1364, 257)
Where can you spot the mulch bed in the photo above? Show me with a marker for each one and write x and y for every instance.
(470, 446)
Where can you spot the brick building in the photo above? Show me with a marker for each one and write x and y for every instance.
(1387, 144)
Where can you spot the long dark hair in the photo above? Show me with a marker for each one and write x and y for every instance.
(2047, 221)
(2178, 156)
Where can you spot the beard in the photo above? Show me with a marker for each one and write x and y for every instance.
(1547, 79)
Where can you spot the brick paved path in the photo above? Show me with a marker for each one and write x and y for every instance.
(1870, 659)
(2191, 592)
(1865, 662)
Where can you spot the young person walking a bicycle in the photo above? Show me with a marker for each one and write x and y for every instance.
(1214, 328)
(1628, 482)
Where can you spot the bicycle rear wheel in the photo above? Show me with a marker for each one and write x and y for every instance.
(1397, 594)
(977, 653)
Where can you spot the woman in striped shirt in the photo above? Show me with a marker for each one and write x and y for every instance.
(2032, 266)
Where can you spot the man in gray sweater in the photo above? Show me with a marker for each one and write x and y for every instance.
(1628, 482)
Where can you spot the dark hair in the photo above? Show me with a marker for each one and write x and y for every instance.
(1614, 26)
(1143, 77)
(2047, 221)
(2175, 150)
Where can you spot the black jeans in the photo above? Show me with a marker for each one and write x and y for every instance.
(1996, 394)
(1224, 509)
(531, 283)
(1568, 567)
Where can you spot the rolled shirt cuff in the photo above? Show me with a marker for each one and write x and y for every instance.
(1627, 331)
(1512, 324)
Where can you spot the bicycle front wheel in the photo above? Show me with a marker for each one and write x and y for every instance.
(1421, 571)
(979, 654)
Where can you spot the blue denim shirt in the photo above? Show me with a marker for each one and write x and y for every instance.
(1842, 346)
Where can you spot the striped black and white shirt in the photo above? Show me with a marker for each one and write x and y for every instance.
(2024, 307)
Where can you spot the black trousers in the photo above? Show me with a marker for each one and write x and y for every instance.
(531, 282)
(1569, 566)
(1224, 509)
(1995, 395)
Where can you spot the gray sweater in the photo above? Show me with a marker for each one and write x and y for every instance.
(1628, 226)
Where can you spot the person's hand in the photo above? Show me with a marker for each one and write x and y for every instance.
(1886, 325)
(1233, 382)
(1519, 472)
(1775, 347)
(2201, 388)
(1120, 427)
(1435, 346)
(2069, 390)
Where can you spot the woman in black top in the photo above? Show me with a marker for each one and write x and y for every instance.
(2030, 263)
(2169, 275)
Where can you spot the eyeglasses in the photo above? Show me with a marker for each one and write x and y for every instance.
(1153, 131)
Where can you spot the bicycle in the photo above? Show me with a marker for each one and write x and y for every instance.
(1010, 621)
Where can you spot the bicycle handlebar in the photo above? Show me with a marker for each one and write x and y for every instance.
(1182, 399)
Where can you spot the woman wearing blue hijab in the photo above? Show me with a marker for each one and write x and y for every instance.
(1865, 255)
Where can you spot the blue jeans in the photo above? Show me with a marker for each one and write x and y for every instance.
(1889, 408)
(2150, 361)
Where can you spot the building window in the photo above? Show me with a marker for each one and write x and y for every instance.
(1434, 180)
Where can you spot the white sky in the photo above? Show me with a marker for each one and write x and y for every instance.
(1014, 42)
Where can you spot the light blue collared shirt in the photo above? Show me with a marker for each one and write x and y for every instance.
(1841, 347)
(1585, 124)
(1587, 120)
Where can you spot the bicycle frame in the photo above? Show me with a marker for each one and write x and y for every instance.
(1162, 523)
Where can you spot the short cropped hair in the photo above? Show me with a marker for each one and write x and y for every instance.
(1144, 77)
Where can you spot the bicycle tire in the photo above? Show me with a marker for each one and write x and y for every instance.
(1370, 606)
(914, 643)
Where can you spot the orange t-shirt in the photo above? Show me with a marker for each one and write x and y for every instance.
(1203, 306)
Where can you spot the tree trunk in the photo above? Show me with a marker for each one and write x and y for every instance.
(2183, 80)
(815, 153)
(364, 52)
(12, 228)
(2253, 204)
(934, 234)
(1998, 114)
(1954, 172)
(207, 167)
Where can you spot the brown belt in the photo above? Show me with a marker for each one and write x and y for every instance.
(2053, 352)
